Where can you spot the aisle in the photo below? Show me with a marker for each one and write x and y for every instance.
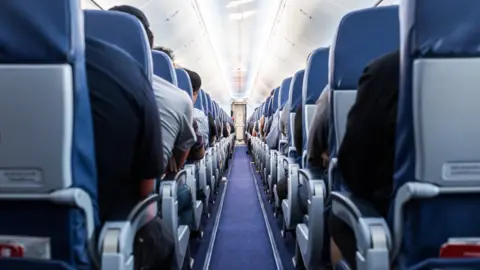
(242, 241)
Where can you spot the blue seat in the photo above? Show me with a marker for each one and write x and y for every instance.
(355, 45)
(294, 101)
(116, 237)
(291, 210)
(316, 75)
(48, 188)
(272, 177)
(184, 82)
(163, 67)
(127, 34)
(437, 146)
(437, 151)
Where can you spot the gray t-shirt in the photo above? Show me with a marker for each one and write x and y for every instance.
(176, 113)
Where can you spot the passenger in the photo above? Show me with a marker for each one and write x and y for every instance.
(199, 118)
(212, 131)
(167, 51)
(317, 144)
(298, 131)
(176, 118)
(200, 125)
(226, 130)
(366, 156)
(127, 145)
(273, 137)
(317, 155)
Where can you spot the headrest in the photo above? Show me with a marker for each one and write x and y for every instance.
(316, 75)
(35, 32)
(163, 67)
(284, 92)
(199, 102)
(295, 95)
(276, 98)
(122, 30)
(214, 109)
(209, 102)
(451, 30)
(183, 81)
(358, 42)
(268, 105)
(204, 101)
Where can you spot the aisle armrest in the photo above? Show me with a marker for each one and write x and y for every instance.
(372, 234)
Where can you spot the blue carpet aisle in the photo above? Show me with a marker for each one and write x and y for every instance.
(242, 240)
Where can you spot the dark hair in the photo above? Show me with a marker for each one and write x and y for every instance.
(166, 50)
(140, 16)
(195, 79)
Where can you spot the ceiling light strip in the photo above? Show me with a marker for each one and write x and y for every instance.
(278, 17)
(204, 28)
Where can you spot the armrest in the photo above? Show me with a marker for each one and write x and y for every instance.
(331, 167)
(119, 236)
(191, 181)
(371, 229)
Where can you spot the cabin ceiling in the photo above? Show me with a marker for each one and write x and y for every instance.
(243, 48)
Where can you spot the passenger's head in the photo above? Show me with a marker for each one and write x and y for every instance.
(167, 51)
(140, 16)
(196, 83)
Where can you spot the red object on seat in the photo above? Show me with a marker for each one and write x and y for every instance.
(460, 249)
(9, 250)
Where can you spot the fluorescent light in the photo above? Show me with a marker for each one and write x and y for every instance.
(237, 3)
(242, 15)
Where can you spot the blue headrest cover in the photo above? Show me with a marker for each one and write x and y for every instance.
(214, 109)
(452, 32)
(163, 67)
(276, 97)
(204, 101)
(183, 81)
(296, 90)
(316, 75)
(38, 32)
(209, 102)
(284, 92)
(122, 30)
(199, 102)
(362, 36)
(268, 105)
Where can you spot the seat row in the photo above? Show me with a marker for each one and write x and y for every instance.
(48, 185)
(436, 183)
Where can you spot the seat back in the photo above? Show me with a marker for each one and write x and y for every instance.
(204, 101)
(113, 27)
(209, 103)
(295, 99)
(163, 67)
(354, 46)
(48, 188)
(276, 98)
(199, 102)
(183, 80)
(437, 143)
(284, 92)
(314, 81)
